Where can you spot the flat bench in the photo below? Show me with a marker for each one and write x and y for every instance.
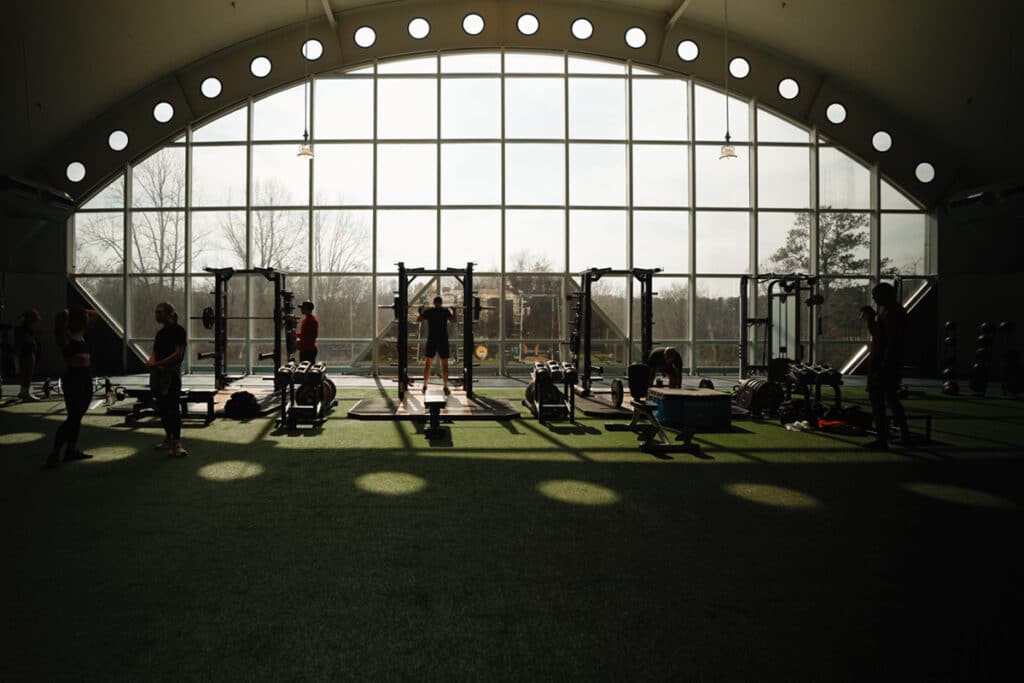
(657, 443)
(144, 401)
(434, 401)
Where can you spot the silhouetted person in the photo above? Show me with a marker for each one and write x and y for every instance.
(308, 332)
(665, 361)
(26, 346)
(885, 362)
(165, 376)
(75, 382)
(437, 339)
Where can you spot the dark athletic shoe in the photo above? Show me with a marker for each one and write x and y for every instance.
(76, 455)
(876, 445)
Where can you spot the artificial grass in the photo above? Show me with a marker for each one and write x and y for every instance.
(513, 552)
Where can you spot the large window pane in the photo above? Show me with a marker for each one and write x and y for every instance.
(535, 174)
(231, 127)
(99, 242)
(262, 291)
(110, 197)
(597, 108)
(201, 338)
(772, 128)
(108, 293)
(597, 175)
(904, 243)
(893, 200)
(660, 175)
(159, 181)
(783, 177)
(343, 241)
(784, 242)
(843, 243)
(471, 108)
(470, 173)
(844, 183)
(407, 108)
(535, 108)
(344, 306)
(671, 306)
(661, 240)
(722, 182)
(723, 242)
(718, 311)
(709, 116)
(218, 176)
(218, 240)
(147, 292)
(610, 314)
(597, 239)
(280, 239)
(278, 177)
(280, 116)
(407, 174)
(343, 174)
(840, 313)
(471, 62)
(659, 109)
(408, 65)
(533, 309)
(158, 241)
(409, 236)
(343, 109)
(534, 240)
(534, 62)
(471, 235)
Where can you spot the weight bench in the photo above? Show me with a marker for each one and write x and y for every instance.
(434, 402)
(144, 401)
(656, 443)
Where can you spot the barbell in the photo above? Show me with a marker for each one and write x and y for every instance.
(209, 318)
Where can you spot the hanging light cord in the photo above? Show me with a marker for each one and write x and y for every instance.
(305, 93)
(726, 71)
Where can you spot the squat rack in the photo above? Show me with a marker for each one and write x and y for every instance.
(782, 339)
(580, 339)
(284, 319)
(470, 312)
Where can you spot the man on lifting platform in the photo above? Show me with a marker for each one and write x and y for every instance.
(437, 339)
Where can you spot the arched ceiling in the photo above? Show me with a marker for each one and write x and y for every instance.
(952, 69)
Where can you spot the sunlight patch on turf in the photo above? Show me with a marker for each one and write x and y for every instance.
(776, 496)
(230, 470)
(958, 494)
(577, 492)
(391, 483)
(110, 453)
(17, 438)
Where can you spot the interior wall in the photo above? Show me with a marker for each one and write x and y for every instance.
(34, 270)
(980, 273)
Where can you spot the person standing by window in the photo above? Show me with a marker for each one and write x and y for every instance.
(437, 319)
(885, 362)
(76, 382)
(308, 332)
(27, 349)
(165, 376)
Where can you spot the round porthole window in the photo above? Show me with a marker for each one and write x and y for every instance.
(527, 24)
(312, 49)
(789, 89)
(925, 172)
(365, 36)
(687, 50)
(117, 140)
(211, 87)
(419, 28)
(636, 37)
(260, 67)
(881, 141)
(163, 112)
(473, 24)
(739, 67)
(836, 113)
(582, 29)
(75, 171)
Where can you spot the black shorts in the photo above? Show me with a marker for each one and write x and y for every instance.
(437, 349)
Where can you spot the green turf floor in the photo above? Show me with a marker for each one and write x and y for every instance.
(512, 551)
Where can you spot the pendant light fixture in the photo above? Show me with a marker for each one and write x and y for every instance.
(306, 148)
(728, 150)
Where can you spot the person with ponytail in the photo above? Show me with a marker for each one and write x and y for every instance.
(76, 382)
(165, 376)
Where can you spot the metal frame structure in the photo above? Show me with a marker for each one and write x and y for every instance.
(694, 274)
(645, 276)
(401, 308)
(790, 292)
(220, 319)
